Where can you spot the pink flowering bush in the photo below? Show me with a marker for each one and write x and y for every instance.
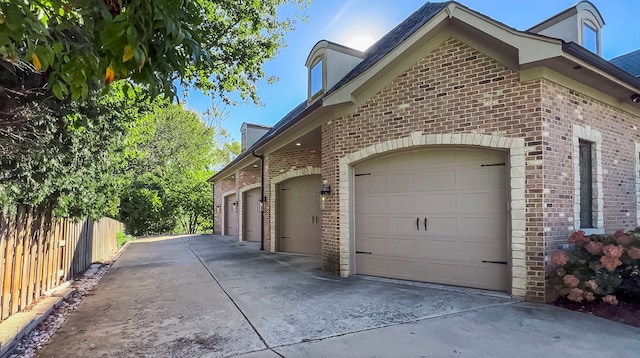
(605, 267)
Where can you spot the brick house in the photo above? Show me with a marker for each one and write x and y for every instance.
(456, 150)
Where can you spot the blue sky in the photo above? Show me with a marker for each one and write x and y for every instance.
(346, 21)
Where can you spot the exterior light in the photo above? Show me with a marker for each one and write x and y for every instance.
(217, 209)
(298, 144)
(635, 98)
(325, 191)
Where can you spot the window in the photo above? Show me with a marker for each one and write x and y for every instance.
(588, 199)
(586, 185)
(315, 78)
(589, 37)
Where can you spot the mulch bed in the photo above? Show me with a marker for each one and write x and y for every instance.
(623, 312)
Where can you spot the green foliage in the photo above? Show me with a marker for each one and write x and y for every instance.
(167, 191)
(603, 266)
(73, 163)
(217, 46)
(123, 238)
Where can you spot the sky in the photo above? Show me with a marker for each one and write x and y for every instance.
(353, 22)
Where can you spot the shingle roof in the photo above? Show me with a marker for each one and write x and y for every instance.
(629, 62)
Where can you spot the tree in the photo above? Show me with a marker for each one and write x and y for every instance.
(168, 190)
(217, 46)
(73, 161)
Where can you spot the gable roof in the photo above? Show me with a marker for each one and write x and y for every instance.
(629, 62)
(387, 43)
(377, 51)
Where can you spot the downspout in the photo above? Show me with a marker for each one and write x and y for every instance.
(262, 198)
(213, 208)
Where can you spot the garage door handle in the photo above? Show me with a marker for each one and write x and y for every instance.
(425, 224)
(495, 262)
(364, 252)
(418, 224)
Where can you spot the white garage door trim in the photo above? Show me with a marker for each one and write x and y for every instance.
(516, 163)
(273, 197)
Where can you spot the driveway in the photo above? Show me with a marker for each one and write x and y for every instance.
(211, 296)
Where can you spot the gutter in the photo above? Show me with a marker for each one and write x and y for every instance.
(269, 136)
(262, 198)
(597, 61)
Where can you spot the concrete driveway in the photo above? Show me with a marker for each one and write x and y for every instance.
(210, 296)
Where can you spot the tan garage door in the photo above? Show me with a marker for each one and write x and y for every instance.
(434, 216)
(299, 215)
(230, 215)
(252, 214)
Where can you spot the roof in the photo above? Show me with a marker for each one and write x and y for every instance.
(629, 62)
(377, 51)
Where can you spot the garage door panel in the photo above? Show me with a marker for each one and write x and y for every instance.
(487, 226)
(231, 215)
(400, 182)
(402, 225)
(429, 203)
(375, 266)
(401, 247)
(466, 208)
(432, 179)
(401, 204)
(372, 204)
(446, 226)
(370, 224)
(402, 269)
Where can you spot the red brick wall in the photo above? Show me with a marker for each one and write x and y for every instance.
(562, 108)
(455, 89)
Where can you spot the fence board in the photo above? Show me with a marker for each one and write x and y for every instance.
(39, 252)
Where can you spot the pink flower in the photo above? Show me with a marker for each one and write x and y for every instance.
(589, 296)
(622, 238)
(613, 250)
(594, 248)
(559, 258)
(610, 299)
(610, 262)
(592, 284)
(578, 238)
(571, 280)
(575, 295)
(634, 253)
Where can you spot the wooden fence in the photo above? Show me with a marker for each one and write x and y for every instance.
(39, 253)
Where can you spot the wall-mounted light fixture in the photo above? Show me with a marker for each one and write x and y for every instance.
(217, 209)
(261, 203)
(325, 191)
(235, 206)
(635, 98)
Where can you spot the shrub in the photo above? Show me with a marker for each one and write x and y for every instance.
(599, 266)
(123, 238)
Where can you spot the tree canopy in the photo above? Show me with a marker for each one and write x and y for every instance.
(217, 46)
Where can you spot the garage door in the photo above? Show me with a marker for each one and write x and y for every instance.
(230, 215)
(252, 215)
(434, 216)
(299, 215)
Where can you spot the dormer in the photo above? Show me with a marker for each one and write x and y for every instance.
(327, 63)
(251, 133)
(581, 24)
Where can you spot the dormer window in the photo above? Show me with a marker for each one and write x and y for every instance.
(316, 84)
(589, 37)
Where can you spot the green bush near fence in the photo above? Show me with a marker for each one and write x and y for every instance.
(123, 238)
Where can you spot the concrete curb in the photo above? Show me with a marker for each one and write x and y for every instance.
(22, 323)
